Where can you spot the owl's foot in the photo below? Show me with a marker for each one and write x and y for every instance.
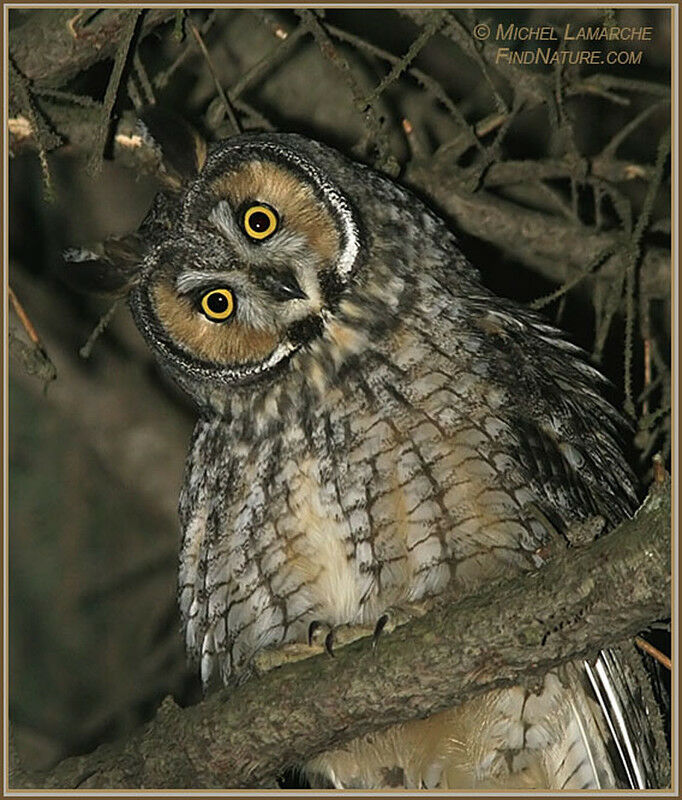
(331, 637)
(325, 637)
(273, 657)
(322, 637)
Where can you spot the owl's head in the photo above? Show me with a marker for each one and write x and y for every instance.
(259, 254)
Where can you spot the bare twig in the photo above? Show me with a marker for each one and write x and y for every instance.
(142, 76)
(261, 68)
(431, 86)
(654, 652)
(221, 93)
(45, 138)
(633, 253)
(612, 146)
(431, 27)
(102, 130)
(68, 97)
(647, 371)
(23, 318)
(541, 302)
(99, 329)
(33, 357)
(602, 83)
(386, 160)
(162, 79)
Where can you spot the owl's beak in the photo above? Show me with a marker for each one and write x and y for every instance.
(283, 285)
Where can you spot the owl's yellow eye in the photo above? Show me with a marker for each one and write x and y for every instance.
(218, 304)
(260, 221)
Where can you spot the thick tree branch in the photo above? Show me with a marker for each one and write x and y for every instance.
(51, 47)
(585, 599)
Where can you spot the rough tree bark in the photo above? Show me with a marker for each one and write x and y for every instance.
(53, 46)
(585, 599)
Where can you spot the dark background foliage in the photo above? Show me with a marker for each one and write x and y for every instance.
(555, 177)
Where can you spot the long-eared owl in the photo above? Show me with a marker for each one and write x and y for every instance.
(375, 428)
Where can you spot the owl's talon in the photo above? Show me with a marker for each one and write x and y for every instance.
(378, 628)
(329, 643)
(314, 626)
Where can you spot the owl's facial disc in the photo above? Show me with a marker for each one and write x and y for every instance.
(265, 253)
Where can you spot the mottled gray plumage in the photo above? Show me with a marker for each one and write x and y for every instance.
(398, 431)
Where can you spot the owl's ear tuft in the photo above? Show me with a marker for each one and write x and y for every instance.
(181, 148)
(107, 268)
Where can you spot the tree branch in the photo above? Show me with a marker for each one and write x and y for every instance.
(535, 238)
(584, 600)
(51, 47)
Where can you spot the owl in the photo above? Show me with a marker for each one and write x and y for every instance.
(375, 428)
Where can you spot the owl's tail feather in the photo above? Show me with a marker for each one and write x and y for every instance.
(625, 715)
(605, 733)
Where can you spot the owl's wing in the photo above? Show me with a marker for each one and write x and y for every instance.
(573, 435)
(567, 436)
